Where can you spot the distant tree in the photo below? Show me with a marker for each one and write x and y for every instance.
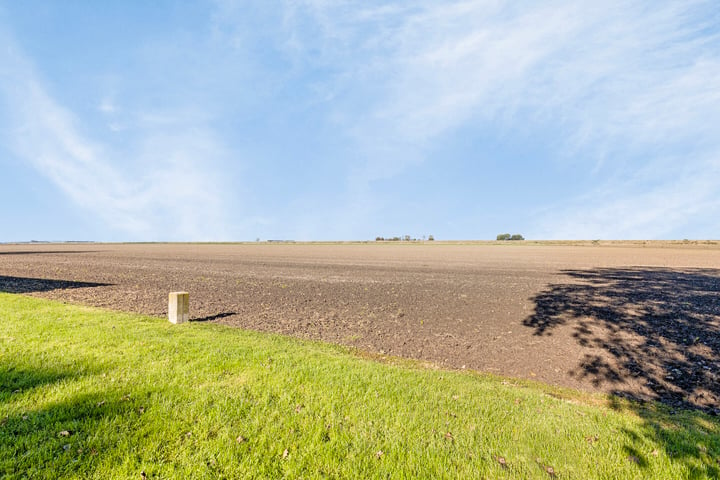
(504, 236)
(517, 236)
(395, 239)
(379, 239)
(407, 238)
(431, 238)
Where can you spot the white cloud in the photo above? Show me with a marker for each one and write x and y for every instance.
(107, 106)
(169, 190)
(651, 203)
(436, 66)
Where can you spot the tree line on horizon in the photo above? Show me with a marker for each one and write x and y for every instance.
(405, 238)
(507, 236)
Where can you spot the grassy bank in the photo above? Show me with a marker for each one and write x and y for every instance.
(86, 393)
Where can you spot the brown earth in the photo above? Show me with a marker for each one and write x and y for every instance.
(640, 320)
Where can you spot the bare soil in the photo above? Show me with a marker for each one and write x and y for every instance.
(640, 320)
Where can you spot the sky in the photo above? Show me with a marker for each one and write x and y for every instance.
(346, 120)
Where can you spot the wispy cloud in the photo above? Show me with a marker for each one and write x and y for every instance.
(658, 201)
(161, 187)
(107, 106)
(620, 98)
(616, 87)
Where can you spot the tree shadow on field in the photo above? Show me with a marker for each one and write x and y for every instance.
(658, 325)
(30, 285)
(659, 328)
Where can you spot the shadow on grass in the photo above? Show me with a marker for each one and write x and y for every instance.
(67, 437)
(658, 327)
(689, 437)
(63, 438)
(30, 285)
(15, 380)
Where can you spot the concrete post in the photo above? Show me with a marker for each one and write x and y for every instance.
(179, 307)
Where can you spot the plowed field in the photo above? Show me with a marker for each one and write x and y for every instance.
(638, 320)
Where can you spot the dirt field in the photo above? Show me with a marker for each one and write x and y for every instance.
(639, 320)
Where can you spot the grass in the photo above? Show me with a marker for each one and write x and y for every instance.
(87, 393)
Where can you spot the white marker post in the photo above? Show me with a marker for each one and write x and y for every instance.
(179, 307)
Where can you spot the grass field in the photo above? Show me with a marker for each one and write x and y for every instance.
(87, 393)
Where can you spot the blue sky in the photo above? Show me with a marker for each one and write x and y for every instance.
(319, 119)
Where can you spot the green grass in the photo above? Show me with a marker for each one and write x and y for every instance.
(87, 393)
